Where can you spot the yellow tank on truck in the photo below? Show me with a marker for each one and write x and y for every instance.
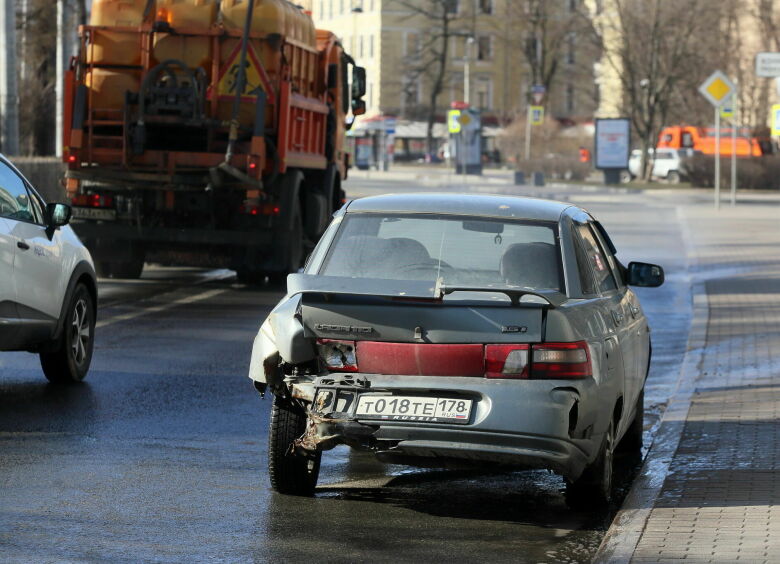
(190, 16)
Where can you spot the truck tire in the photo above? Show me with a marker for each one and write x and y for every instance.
(69, 361)
(290, 472)
(594, 487)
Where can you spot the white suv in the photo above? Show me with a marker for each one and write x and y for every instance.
(48, 288)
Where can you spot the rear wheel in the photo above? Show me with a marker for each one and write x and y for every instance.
(69, 361)
(290, 472)
(632, 440)
(673, 177)
(594, 487)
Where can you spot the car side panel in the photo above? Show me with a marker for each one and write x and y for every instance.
(38, 269)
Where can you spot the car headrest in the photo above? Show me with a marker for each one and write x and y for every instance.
(408, 251)
(531, 265)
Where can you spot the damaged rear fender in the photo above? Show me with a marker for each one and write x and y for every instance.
(280, 339)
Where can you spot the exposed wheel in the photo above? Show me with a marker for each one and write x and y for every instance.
(70, 361)
(632, 440)
(673, 177)
(594, 487)
(291, 473)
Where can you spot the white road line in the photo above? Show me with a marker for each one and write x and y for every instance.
(158, 308)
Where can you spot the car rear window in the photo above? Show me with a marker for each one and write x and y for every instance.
(469, 251)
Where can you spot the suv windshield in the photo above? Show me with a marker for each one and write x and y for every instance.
(476, 252)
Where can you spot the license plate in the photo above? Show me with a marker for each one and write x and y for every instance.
(413, 408)
(94, 213)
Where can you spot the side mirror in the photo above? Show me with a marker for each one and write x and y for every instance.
(57, 215)
(358, 82)
(644, 275)
(358, 107)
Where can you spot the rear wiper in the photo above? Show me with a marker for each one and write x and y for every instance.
(553, 297)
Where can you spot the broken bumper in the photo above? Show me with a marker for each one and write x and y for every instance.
(525, 424)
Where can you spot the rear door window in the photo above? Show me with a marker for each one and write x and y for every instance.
(597, 260)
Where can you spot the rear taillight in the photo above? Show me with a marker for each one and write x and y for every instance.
(506, 361)
(338, 356)
(93, 201)
(561, 361)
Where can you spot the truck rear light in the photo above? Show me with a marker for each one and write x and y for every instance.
(260, 209)
(93, 201)
(561, 361)
(506, 361)
(338, 356)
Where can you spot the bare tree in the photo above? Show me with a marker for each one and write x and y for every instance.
(656, 55)
(430, 60)
(544, 33)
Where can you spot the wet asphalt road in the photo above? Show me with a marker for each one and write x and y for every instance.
(160, 454)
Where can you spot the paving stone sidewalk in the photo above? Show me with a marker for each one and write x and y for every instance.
(720, 501)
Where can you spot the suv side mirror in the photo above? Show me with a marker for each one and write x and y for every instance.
(57, 215)
(644, 275)
(358, 82)
(358, 107)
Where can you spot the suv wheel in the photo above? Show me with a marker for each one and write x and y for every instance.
(69, 361)
(290, 472)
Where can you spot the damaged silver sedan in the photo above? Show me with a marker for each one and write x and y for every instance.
(451, 330)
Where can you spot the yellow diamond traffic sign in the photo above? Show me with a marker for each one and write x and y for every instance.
(717, 89)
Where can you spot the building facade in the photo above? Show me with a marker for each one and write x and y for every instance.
(487, 54)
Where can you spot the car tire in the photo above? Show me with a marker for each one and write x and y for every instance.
(673, 177)
(69, 361)
(632, 440)
(594, 486)
(290, 472)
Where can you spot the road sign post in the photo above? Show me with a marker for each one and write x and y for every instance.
(717, 89)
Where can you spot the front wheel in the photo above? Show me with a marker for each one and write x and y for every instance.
(290, 472)
(70, 360)
(594, 487)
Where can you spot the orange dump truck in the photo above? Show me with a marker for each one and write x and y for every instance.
(206, 133)
(703, 139)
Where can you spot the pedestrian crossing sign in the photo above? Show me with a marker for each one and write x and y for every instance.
(453, 121)
(776, 120)
(536, 115)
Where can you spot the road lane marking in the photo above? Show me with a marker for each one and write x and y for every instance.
(158, 308)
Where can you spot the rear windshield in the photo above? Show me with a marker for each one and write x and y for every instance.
(471, 251)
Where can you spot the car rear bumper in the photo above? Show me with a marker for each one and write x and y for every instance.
(527, 424)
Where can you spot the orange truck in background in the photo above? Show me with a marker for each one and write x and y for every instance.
(206, 133)
(703, 139)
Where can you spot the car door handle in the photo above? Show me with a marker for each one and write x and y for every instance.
(23, 245)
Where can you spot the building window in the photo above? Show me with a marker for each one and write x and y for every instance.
(484, 48)
(573, 6)
(330, 9)
(341, 6)
(483, 93)
(452, 6)
(412, 92)
(569, 99)
(412, 45)
(360, 46)
(322, 9)
(485, 6)
(571, 48)
(371, 46)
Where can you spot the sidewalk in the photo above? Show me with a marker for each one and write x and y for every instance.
(710, 488)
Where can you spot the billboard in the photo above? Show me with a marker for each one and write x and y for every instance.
(613, 143)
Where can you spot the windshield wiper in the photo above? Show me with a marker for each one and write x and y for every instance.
(554, 298)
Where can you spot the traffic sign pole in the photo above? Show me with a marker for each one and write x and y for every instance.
(734, 123)
(528, 135)
(717, 158)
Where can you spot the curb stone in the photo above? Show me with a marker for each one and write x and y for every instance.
(624, 533)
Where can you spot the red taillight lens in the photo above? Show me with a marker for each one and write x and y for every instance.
(561, 361)
(260, 209)
(506, 361)
(92, 201)
(338, 356)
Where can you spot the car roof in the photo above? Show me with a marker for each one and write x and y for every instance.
(462, 204)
